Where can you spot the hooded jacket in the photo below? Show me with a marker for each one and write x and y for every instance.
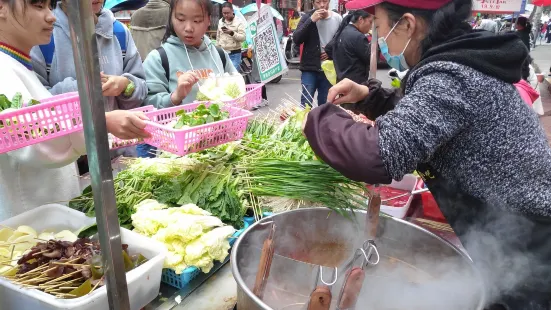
(62, 77)
(148, 25)
(202, 60)
(481, 150)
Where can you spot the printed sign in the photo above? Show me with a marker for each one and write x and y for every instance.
(497, 6)
(267, 49)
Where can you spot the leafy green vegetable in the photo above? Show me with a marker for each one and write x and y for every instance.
(4, 102)
(17, 101)
(83, 289)
(200, 116)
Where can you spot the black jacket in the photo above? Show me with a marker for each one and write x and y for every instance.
(351, 54)
(307, 34)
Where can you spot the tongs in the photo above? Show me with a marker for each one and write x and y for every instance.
(321, 297)
(265, 263)
(366, 255)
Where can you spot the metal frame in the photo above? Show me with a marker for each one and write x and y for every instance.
(374, 58)
(92, 105)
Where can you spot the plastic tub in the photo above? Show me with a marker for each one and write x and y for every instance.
(195, 139)
(143, 282)
(407, 185)
(54, 117)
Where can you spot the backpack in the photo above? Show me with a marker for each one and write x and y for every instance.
(48, 49)
(166, 67)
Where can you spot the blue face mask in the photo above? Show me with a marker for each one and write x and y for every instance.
(397, 62)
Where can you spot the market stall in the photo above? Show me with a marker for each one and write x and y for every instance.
(165, 226)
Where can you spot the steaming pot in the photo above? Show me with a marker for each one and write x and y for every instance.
(418, 270)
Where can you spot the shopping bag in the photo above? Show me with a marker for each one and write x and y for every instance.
(329, 69)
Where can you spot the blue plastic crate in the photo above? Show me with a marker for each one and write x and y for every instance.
(181, 280)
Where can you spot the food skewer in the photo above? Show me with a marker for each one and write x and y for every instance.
(265, 263)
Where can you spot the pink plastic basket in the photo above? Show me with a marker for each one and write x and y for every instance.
(250, 100)
(116, 143)
(54, 117)
(185, 141)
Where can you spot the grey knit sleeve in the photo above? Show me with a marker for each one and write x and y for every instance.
(434, 110)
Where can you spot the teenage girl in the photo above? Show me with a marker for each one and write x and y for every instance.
(44, 172)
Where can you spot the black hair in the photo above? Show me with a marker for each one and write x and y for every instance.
(206, 7)
(11, 4)
(523, 21)
(227, 5)
(352, 17)
(445, 23)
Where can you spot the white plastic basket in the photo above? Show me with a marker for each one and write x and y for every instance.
(143, 282)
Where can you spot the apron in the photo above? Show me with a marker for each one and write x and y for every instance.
(524, 245)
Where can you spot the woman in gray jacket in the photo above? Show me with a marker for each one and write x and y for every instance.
(123, 75)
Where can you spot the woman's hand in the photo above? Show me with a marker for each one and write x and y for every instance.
(126, 124)
(349, 92)
(112, 85)
(185, 83)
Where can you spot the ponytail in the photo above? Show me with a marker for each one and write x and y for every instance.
(352, 17)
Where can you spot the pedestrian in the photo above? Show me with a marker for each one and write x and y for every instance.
(548, 34)
(123, 77)
(350, 50)
(293, 21)
(45, 172)
(231, 34)
(523, 30)
(461, 124)
(185, 56)
(148, 25)
(315, 29)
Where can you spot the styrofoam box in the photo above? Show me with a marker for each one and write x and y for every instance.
(143, 282)
(408, 183)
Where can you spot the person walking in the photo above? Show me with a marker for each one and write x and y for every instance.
(148, 25)
(350, 50)
(231, 34)
(314, 31)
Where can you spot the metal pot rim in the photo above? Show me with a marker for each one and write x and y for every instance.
(241, 283)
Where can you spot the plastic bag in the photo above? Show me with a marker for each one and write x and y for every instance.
(329, 69)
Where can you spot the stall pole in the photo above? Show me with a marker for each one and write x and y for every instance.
(374, 58)
(86, 57)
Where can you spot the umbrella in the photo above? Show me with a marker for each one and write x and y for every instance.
(254, 8)
(541, 2)
(120, 5)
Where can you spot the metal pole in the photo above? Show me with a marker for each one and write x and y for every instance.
(86, 57)
(374, 58)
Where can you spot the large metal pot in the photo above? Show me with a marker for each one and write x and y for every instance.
(417, 269)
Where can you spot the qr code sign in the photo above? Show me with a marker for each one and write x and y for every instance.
(266, 50)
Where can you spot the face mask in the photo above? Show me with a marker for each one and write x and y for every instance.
(397, 62)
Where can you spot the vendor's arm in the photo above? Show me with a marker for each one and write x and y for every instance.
(133, 71)
(69, 84)
(371, 99)
(158, 93)
(428, 117)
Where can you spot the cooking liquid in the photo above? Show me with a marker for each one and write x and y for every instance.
(328, 254)
(391, 285)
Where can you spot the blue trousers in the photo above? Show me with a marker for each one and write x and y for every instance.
(311, 82)
(145, 151)
(236, 60)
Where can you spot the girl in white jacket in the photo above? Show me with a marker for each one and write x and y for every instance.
(42, 173)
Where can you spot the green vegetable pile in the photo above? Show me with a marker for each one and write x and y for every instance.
(200, 116)
(272, 168)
